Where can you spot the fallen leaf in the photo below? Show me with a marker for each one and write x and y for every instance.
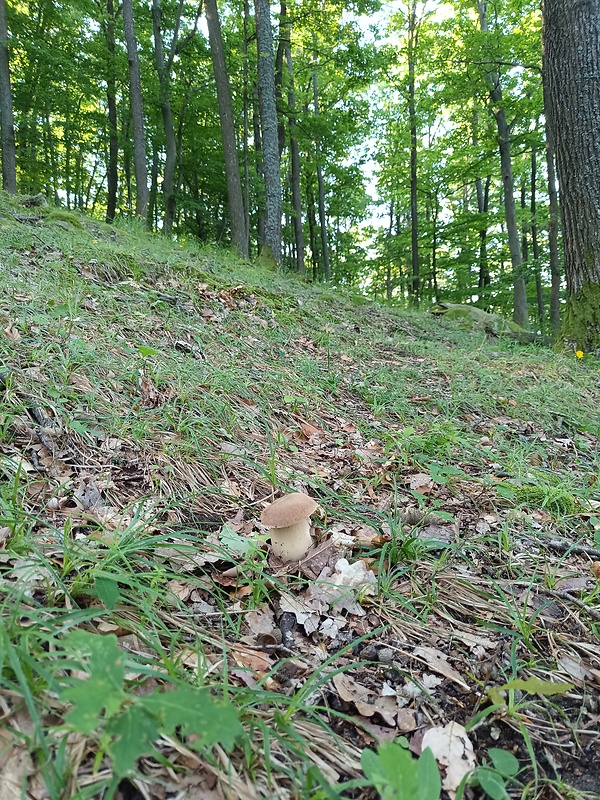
(11, 333)
(453, 750)
(438, 662)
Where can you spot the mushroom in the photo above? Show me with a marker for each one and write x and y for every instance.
(288, 519)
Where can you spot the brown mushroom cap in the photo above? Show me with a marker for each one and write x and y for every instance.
(288, 510)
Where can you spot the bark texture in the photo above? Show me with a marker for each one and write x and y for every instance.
(269, 131)
(239, 237)
(572, 95)
(9, 160)
(137, 114)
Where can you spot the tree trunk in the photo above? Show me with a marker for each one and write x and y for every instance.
(414, 219)
(246, 129)
(163, 70)
(295, 158)
(268, 121)
(112, 167)
(534, 240)
(239, 236)
(555, 272)
(9, 158)
(521, 310)
(321, 186)
(572, 91)
(137, 114)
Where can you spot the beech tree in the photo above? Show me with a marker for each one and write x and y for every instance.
(572, 91)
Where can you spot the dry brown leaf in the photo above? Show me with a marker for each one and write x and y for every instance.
(15, 767)
(438, 662)
(82, 383)
(421, 483)
(11, 333)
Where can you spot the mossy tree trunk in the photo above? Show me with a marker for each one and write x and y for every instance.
(572, 91)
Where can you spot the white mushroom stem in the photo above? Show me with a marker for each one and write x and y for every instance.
(293, 542)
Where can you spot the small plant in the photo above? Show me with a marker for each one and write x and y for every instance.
(396, 775)
(494, 778)
(127, 724)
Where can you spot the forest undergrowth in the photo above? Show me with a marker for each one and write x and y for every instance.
(439, 640)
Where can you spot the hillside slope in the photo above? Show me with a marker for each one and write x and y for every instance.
(155, 398)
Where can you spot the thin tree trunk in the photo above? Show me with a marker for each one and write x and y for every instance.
(534, 240)
(321, 184)
(9, 157)
(295, 158)
(414, 219)
(112, 168)
(239, 236)
(246, 129)
(153, 195)
(163, 70)
(521, 311)
(555, 271)
(260, 170)
(268, 121)
(137, 113)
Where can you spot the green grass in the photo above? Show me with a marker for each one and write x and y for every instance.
(155, 396)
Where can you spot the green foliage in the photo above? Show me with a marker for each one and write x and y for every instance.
(495, 778)
(397, 775)
(127, 723)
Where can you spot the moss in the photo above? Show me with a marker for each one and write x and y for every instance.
(580, 328)
(64, 216)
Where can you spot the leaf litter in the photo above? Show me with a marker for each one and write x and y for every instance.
(427, 592)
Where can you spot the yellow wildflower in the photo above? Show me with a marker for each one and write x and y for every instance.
(579, 354)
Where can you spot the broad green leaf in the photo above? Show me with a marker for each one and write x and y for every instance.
(146, 351)
(393, 772)
(492, 783)
(194, 710)
(107, 590)
(504, 761)
(234, 542)
(102, 658)
(428, 776)
(134, 731)
(535, 685)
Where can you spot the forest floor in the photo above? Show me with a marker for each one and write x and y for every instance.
(156, 396)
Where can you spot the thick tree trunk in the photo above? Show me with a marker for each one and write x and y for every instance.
(268, 121)
(137, 114)
(112, 166)
(572, 92)
(521, 310)
(9, 157)
(239, 237)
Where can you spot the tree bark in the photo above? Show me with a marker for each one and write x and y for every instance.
(521, 310)
(268, 122)
(9, 157)
(572, 90)
(137, 114)
(239, 236)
